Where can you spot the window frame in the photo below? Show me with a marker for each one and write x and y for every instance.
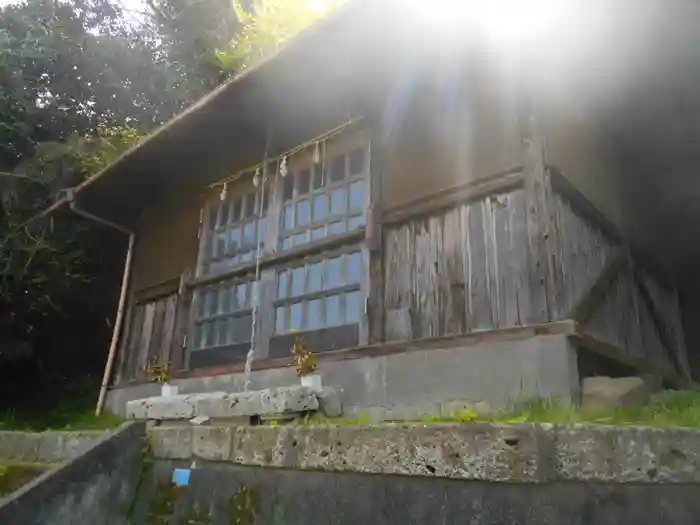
(208, 263)
(342, 290)
(325, 189)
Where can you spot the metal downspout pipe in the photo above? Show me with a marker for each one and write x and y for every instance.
(122, 295)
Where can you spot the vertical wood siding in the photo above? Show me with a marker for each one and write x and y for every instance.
(459, 270)
(637, 312)
(151, 335)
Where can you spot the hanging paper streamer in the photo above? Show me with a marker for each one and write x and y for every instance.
(224, 192)
(256, 178)
(317, 154)
(283, 166)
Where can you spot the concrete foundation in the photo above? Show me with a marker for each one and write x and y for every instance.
(417, 383)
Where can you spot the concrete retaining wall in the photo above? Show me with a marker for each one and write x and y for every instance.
(45, 447)
(522, 453)
(94, 487)
(229, 494)
(417, 383)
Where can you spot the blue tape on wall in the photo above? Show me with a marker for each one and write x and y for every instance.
(181, 477)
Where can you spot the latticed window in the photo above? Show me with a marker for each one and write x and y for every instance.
(323, 292)
(323, 200)
(233, 230)
(224, 314)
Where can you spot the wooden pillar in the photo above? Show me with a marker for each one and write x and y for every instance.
(374, 240)
(539, 220)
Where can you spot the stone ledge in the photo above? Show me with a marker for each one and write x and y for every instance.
(223, 405)
(522, 453)
(45, 447)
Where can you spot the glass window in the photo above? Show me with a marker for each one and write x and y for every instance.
(233, 232)
(337, 169)
(356, 161)
(335, 273)
(316, 277)
(316, 314)
(338, 201)
(295, 317)
(358, 221)
(324, 293)
(311, 198)
(353, 306)
(357, 195)
(354, 272)
(302, 213)
(224, 315)
(303, 182)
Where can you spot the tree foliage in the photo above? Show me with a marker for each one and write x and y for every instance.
(266, 24)
(82, 81)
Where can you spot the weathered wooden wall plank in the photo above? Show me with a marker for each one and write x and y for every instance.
(464, 269)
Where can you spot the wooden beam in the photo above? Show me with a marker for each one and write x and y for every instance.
(373, 251)
(666, 340)
(471, 191)
(273, 259)
(585, 307)
(593, 344)
(539, 222)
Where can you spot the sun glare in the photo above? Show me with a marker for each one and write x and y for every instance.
(499, 19)
(317, 5)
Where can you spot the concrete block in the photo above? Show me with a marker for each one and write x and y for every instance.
(138, 409)
(606, 392)
(175, 407)
(330, 401)
(212, 443)
(285, 400)
(171, 442)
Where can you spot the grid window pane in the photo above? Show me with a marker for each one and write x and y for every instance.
(318, 192)
(225, 208)
(324, 293)
(354, 268)
(357, 195)
(333, 311)
(319, 207)
(234, 229)
(316, 318)
(318, 233)
(210, 334)
(338, 201)
(295, 317)
(337, 169)
(302, 213)
(250, 210)
(318, 178)
(356, 161)
(237, 210)
(280, 321)
(288, 217)
(335, 228)
(335, 273)
(297, 287)
(353, 306)
(222, 332)
(316, 277)
(303, 182)
(358, 221)
(282, 285)
(288, 192)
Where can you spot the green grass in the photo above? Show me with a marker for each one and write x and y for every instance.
(74, 409)
(669, 409)
(59, 420)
